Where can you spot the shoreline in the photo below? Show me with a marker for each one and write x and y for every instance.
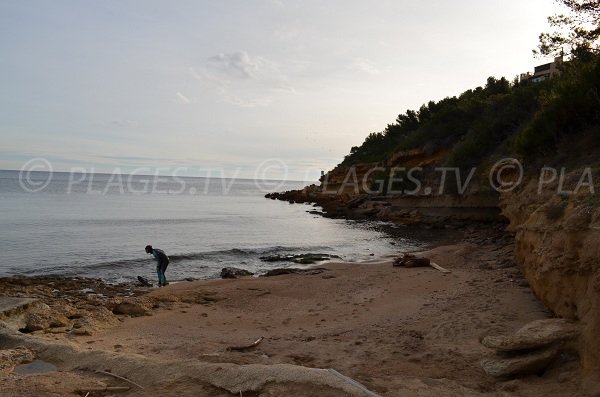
(397, 331)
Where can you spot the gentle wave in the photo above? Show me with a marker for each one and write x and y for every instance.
(214, 257)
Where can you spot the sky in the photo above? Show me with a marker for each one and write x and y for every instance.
(254, 88)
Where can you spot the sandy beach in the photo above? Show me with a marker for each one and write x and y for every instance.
(398, 331)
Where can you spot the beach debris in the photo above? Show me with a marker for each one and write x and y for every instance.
(531, 349)
(120, 377)
(292, 270)
(352, 382)
(410, 260)
(144, 282)
(115, 389)
(303, 259)
(438, 267)
(246, 347)
(210, 354)
(234, 272)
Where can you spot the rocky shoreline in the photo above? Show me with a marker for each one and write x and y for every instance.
(70, 306)
(390, 208)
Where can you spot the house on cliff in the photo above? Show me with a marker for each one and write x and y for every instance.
(543, 72)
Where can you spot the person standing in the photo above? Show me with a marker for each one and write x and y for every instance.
(161, 266)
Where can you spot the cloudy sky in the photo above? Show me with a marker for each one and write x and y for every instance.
(225, 86)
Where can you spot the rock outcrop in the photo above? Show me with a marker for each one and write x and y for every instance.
(535, 335)
(10, 358)
(524, 364)
(529, 350)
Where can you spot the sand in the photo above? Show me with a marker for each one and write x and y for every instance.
(398, 331)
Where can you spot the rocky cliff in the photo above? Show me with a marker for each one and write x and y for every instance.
(557, 247)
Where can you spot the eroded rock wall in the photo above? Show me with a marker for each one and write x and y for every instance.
(558, 249)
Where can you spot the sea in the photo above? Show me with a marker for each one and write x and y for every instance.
(97, 225)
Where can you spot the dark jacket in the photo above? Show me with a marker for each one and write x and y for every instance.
(161, 257)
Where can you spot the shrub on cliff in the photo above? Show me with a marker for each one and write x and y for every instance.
(568, 107)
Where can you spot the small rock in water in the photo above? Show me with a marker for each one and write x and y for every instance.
(291, 270)
(234, 272)
(303, 259)
(144, 282)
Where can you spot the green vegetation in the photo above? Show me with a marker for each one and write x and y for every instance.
(578, 29)
(569, 107)
(525, 119)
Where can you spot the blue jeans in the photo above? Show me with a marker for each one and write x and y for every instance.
(160, 271)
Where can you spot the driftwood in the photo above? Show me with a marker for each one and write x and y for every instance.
(246, 347)
(120, 377)
(89, 390)
(409, 260)
(352, 382)
(438, 267)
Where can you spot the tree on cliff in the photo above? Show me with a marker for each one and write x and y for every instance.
(579, 29)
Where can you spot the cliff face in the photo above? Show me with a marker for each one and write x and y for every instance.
(407, 187)
(557, 246)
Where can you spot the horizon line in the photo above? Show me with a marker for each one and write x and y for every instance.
(161, 175)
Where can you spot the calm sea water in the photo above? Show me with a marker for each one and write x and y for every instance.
(97, 225)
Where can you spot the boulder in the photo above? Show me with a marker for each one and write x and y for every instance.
(234, 272)
(35, 322)
(524, 364)
(534, 335)
(132, 308)
(43, 317)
